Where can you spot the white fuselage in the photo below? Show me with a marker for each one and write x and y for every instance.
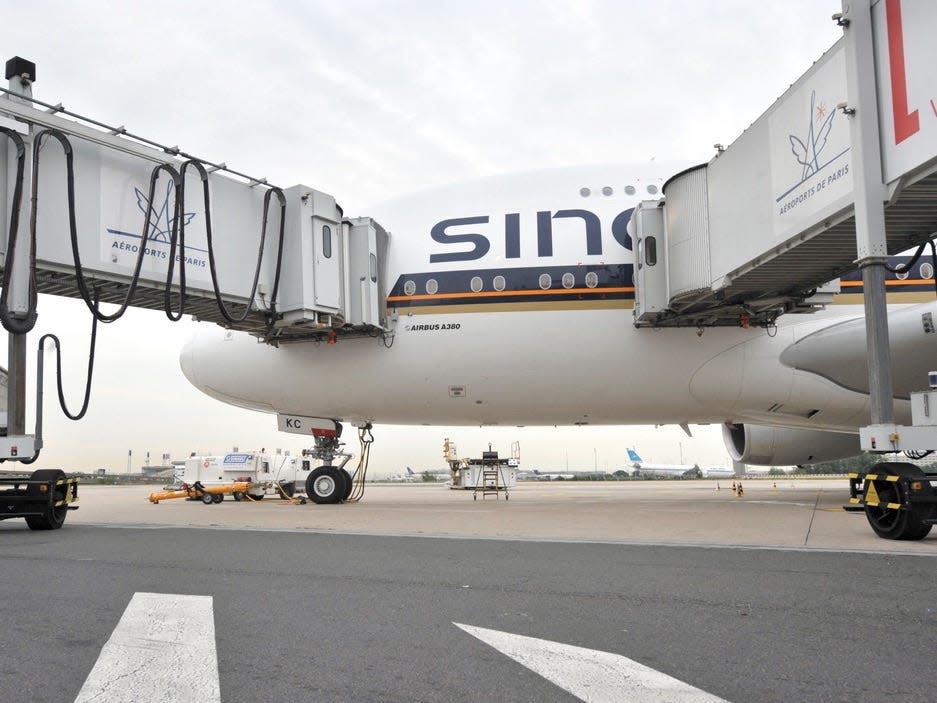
(467, 353)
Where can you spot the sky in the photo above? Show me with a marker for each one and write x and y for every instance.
(373, 100)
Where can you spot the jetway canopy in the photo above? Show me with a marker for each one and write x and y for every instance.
(761, 228)
(287, 263)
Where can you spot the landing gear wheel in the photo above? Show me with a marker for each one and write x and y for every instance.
(208, 498)
(897, 524)
(346, 478)
(325, 485)
(53, 518)
(217, 497)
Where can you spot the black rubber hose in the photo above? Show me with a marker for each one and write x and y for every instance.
(260, 253)
(179, 217)
(58, 371)
(16, 325)
(904, 268)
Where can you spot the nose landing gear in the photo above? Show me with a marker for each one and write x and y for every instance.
(335, 484)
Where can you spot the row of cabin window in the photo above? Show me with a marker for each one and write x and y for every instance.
(499, 283)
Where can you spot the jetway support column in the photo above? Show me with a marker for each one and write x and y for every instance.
(871, 246)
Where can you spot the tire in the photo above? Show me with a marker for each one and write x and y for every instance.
(259, 496)
(238, 496)
(207, 498)
(346, 477)
(289, 489)
(898, 524)
(217, 497)
(53, 518)
(325, 485)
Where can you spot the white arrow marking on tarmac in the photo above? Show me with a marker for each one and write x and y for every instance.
(163, 649)
(589, 674)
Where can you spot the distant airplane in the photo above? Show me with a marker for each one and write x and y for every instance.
(437, 474)
(641, 467)
(537, 475)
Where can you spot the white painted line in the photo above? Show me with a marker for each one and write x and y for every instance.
(591, 675)
(163, 649)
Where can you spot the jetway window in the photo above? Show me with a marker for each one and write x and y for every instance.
(326, 241)
(650, 250)
(373, 268)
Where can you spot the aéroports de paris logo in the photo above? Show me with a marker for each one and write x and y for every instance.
(812, 151)
(161, 214)
(808, 150)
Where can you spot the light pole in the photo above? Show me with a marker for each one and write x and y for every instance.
(595, 460)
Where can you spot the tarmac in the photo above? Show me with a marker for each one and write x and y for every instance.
(787, 513)
(421, 593)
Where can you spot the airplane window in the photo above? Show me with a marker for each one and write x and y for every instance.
(432, 287)
(585, 192)
(650, 250)
(545, 281)
(606, 190)
(569, 280)
(902, 276)
(476, 284)
(326, 241)
(592, 279)
(652, 189)
(630, 190)
(498, 283)
(373, 268)
(927, 270)
(409, 288)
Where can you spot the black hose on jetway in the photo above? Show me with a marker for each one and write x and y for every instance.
(260, 253)
(905, 268)
(12, 324)
(58, 370)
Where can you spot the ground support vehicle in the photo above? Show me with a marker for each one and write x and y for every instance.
(207, 494)
(43, 497)
(899, 500)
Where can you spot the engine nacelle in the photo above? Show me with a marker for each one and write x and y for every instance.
(782, 446)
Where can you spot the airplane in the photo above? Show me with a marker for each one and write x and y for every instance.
(641, 467)
(435, 474)
(537, 475)
(510, 303)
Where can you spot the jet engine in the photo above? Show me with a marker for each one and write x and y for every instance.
(782, 446)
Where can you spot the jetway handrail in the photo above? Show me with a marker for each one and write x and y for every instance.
(115, 137)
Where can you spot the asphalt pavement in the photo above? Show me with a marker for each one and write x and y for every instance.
(309, 616)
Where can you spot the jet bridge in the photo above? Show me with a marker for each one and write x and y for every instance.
(93, 211)
(765, 226)
(126, 220)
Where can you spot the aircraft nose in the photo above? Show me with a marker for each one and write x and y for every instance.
(188, 360)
